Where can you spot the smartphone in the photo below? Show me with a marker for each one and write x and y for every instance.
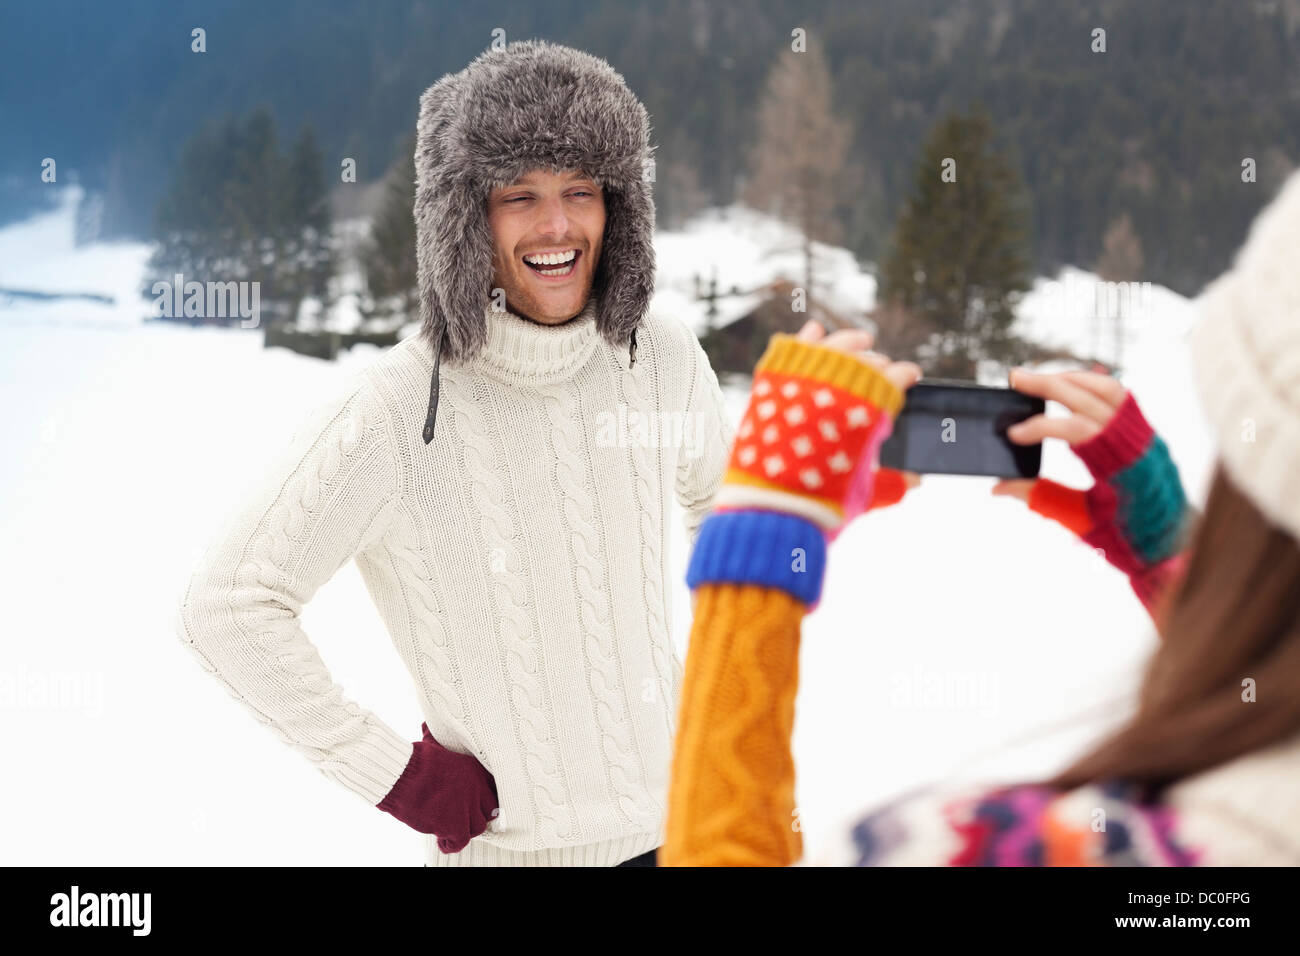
(949, 427)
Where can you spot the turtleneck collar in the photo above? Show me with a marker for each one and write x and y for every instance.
(523, 350)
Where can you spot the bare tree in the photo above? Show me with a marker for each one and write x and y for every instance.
(797, 164)
(683, 194)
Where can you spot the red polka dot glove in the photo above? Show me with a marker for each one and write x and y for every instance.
(808, 442)
(445, 793)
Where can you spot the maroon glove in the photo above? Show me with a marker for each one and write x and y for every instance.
(448, 794)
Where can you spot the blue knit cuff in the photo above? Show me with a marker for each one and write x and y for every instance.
(769, 548)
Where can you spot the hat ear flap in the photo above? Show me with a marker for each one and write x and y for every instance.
(463, 267)
(625, 275)
(453, 241)
(430, 158)
(433, 321)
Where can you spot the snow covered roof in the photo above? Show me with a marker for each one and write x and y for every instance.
(748, 250)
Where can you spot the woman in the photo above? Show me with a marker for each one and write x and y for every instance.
(1206, 771)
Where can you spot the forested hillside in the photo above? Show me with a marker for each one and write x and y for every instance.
(1157, 126)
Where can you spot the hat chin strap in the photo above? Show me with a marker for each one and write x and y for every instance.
(432, 417)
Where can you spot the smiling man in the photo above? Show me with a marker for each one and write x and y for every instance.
(544, 279)
(516, 554)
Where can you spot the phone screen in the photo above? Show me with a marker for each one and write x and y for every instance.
(959, 428)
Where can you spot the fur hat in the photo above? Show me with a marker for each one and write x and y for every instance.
(526, 105)
(1246, 356)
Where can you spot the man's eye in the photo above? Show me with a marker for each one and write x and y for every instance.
(518, 199)
(581, 193)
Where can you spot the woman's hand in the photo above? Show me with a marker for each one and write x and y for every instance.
(1136, 513)
(1092, 399)
(890, 485)
(819, 408)
(858, 342)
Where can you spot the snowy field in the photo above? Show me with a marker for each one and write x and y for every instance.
(959, 634)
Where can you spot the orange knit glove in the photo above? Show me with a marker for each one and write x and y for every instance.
(1063, 504)
(889, 487)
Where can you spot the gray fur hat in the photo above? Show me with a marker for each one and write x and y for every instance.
(526, 105)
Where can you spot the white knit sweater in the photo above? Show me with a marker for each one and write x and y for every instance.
(518, 562)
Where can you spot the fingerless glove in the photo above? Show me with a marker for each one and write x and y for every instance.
(1136, 513)
(801, 468)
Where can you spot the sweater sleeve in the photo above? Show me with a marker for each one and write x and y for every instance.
(731, 791)
(329, 497)
(731, 798)
(702, 460)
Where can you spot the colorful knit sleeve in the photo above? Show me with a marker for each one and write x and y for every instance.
(731, 795)
(1105, 824)
(802, 466)
(808, 442)
(1136, 513)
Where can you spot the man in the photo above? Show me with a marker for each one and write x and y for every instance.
(513, 541)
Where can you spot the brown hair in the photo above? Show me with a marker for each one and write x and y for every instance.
(1234, 616)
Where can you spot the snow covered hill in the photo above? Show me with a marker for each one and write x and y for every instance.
(952, 625)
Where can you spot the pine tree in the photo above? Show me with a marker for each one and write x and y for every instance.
(305, 257)
(959, 256)
(388, 256)
(252, 206)
(205, 224)
(238, 210)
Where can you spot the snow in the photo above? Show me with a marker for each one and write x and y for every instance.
(959, 635)
(746, 250)
(39, 255)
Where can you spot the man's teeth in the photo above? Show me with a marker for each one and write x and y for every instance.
(563, 270)
(551, 258)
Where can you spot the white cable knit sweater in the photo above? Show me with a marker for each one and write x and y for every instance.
(518, 562)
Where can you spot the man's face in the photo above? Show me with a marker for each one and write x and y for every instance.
(539, 213)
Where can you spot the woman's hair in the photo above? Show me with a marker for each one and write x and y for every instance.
(1226, 678)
